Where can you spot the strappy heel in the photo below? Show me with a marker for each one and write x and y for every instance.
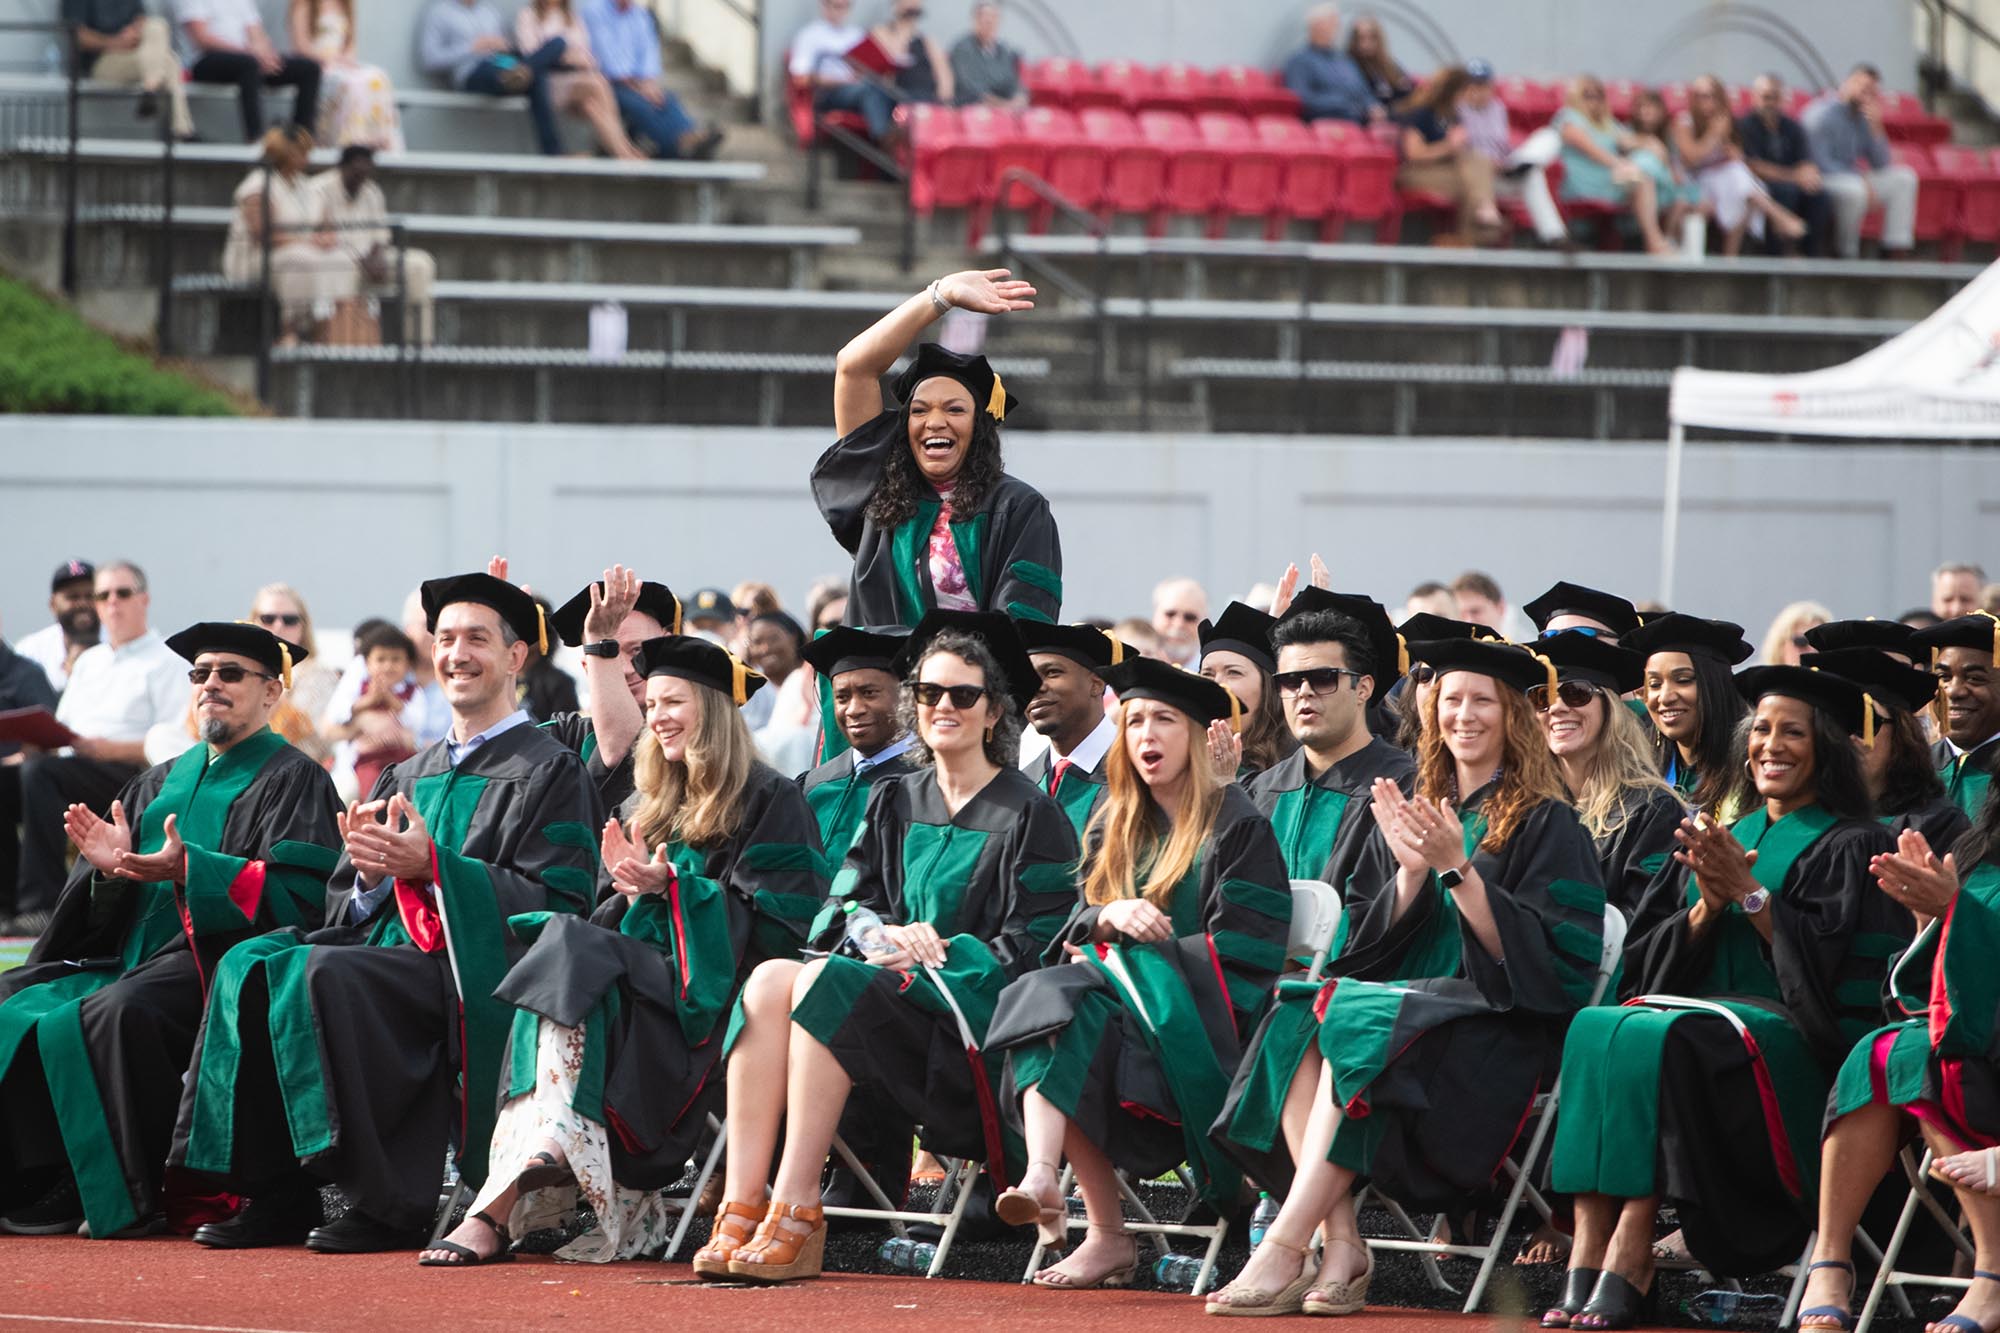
(1964, 1322)
(1841, 1315)
(546, 1175)
(734, 1224)
(1338, 1298)
(466, 1256)
(1254, 1302)
(1018, 1208)
(777, 1253)
(1111, 1277)
(1578, 1285)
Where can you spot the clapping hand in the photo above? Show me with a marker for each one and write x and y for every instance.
(379, 847)
(1225, 747)
(1423, 835)
(1721, 865)
(632, 871)
(1914, 877)
(168, 864)
(100, 842)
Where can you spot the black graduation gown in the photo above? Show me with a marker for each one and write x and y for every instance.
(1322, 821)
(1641, 848)
(97, 1027)
(342, 1050)
(1731, 1139)
(1146, 1088)
(654, 978)
(578, 734)
(1010, 549)
(1940, 820)
(837, 799)
(1436, 1071)
(995, 880)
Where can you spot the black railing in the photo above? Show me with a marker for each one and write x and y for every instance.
(825, 132)
(1038, 265)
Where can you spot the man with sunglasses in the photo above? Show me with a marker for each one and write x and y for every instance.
(128, 683)
(232, 838)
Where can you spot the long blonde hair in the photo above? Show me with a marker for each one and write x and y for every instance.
(1528, 772)
(306, 639)
(1795, 617)
(698, 798)
(1623, 762)
(1573, 99)
(1123, 825)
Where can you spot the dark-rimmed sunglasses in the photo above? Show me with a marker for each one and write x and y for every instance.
(289, 619)
(1574, 693)
(228, 675)
(1324, 680)
(122, 594)
(930, 694)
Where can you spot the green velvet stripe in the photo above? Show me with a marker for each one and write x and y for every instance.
(1038, 576)
(86, 1133)
(1061, 1069)
(908, 550)
(1273, 1063)
(570, 833)
(938, 864)
(1261, 898)
(794, 856)
(969, 536)
(212, 1136)
(1307, 822)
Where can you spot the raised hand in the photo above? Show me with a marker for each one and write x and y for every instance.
(168, 864)
(610, 602)
(1288, 586)
(614, 846)
(1914, 877)
(1322, 577)
(1225, 747)
(497, 566)
(993, 291)
(633, 875)
(99, 841)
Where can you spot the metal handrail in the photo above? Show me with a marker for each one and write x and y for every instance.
(875, 155)
(1938, 71)
(1094, 227)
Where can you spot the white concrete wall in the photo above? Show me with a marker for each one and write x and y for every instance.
(355, 515)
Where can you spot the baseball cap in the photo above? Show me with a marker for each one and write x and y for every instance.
(70, 571)
(1479, 71)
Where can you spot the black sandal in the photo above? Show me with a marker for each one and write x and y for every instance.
(1615, 1304)
(542, 1177)
(1578, 1286)
(468, 1257)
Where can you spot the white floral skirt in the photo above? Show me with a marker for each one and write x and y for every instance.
(631, 1224)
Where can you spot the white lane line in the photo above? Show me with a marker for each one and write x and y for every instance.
(137, 1323)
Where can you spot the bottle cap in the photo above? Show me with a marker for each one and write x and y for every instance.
(849, 907)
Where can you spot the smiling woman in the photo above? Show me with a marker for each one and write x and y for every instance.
(918, 493)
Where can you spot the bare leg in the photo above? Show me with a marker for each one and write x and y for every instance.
(1858, 1152)
(477, 1235)
(1045, 1129)
(758, 1071)
(1646, 211)
(1789, 224)
(1106, 1248)
(1630, 1251)
(1732, 240)
(597, 106)
(815, 1092)
(1300, 1098)
(1596, 1219)
(1981, 1302)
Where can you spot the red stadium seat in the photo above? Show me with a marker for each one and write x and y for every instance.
(950, 160)
(1054, 82)
(1368, 179)
(1120, 83)
(1938, 199)
(1619, 95)
(799, 105)
(1971, 170)
(1133, 171)
(1675, 95)
(1530, 105)
(1256, 92)
(1253, 173)
(1904, 120)
(1313, 168)
(1176, 87)
(1195, 171)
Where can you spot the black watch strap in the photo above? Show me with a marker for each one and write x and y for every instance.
(601, 648)
(1454, 877)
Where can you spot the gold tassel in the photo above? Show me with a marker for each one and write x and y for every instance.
(1996, 632)
(675, 628)
(541, 630)
(1867, 721)
(285, 663)
(1548, 666)
(739, 682)
(1117, 647)
(996, 402)
(1235, 711)
(1402, 656)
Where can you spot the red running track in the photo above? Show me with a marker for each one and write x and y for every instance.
(169, 1283)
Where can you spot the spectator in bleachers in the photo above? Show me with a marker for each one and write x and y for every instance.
(1844, 129)
(1519, 172)
(57, 645)
(1704, 137)
(1438, 157)
(359, 215)
(119, 43)
(1179, 607)
(625, 40)
(223, 41)
(923, 73)
(360, 103)
(819, 59)
(985, 71)
(1330, 86)
(1604, 162)
(463, 41)
(1679, 194)
(1368, 48)
(1430, 598)
(576, 85)
(279, 608)
(1775, 149)
(310, 273)
(1955, 590)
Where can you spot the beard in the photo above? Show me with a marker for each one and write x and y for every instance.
(217, 730)
(79, 624)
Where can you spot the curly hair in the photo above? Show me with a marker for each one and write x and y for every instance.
(903, 486)
(1528, 773)
(1003, 747)
(1838, 786)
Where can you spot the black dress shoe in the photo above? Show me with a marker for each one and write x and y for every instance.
(358, 1233)
(267, 1220)
(57, 1213)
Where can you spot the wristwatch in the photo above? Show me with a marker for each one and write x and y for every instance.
(1756, 901)
(1451, 879)
(601, 648)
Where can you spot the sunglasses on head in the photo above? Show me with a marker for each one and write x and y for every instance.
(1324, 680)
(122, 594)
(285, 618)
(1590, 630)
(1423, 673)
(930, 694)
(228, 675)
(1575, 693)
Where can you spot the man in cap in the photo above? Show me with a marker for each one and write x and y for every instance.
(1963, 651)
(1069, 711)
(864, 695)
(56, 646)
(339, 1055)
(233, 838)
(712, 616)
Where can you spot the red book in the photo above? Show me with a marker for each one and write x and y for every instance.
(34, 726)
(867, 54)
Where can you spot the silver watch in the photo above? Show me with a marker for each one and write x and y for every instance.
(1756, 901)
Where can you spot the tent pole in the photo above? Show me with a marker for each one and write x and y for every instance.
(1670, 523)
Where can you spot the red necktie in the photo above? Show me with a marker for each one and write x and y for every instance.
(1056, 775)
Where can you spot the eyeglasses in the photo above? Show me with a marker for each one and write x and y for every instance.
(930, 694)
(1422, 673)
(228, 675)
(1324, 680)
(285, 618)
(1801, 641)
(1574, 693)
(1179, 615)
(122, 594)
(1589, 630)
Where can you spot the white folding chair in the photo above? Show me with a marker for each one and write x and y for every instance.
(1891, 1280)
(1316, 909)
(1544, 1112)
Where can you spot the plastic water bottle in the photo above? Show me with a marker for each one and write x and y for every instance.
(1074, 1205)
(1721, 1305)
(908, 1256)
(1177, 1272)
(866, 932)
(1261, 1219)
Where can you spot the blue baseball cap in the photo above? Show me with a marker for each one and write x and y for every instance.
(1479, 71)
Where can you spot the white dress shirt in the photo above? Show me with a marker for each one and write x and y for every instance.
(118, 694)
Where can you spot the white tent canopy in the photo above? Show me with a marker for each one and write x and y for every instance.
(1938, 380)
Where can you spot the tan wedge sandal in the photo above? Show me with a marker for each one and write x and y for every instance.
(734, 1224)
(777, 1253)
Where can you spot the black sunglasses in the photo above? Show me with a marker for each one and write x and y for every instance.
(930, 694)
(228, 675)
(1590, 630)
(285, 618)
(1422, 673)
(1575, 693)
(1324, 680)
(122, 594)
